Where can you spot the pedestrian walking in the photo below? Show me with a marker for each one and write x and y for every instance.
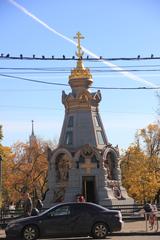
(27, 204)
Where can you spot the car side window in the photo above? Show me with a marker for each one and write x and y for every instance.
(61, 211)
(80, 209)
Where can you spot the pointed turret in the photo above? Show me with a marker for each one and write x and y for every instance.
(82, 123)
(32, 138)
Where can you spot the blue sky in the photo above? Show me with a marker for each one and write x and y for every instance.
(112, 28)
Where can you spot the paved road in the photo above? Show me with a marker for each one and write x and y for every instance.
(111, 238)
(115, 238)
(134, 238)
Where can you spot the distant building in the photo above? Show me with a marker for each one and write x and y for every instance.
(32, 138)
(32, 144)
(84, 161)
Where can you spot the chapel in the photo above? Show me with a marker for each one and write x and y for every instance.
(84, 162)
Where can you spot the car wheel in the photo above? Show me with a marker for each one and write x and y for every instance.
(99, 231)
(30, 232)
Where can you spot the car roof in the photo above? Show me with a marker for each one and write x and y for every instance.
(77, 204)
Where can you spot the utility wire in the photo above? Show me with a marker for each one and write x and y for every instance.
(32, 80)
(73, 58)
(92, 71)
(63, 84)
(69, 68)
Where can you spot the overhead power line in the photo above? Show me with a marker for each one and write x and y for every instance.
(92, 71)
(63, 84)
(21, 57)
(33, 80)
(69, 68)
(57, 70)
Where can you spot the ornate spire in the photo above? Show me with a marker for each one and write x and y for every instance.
(32, 138)
(80, 76)
(32, 128)
(80, 53)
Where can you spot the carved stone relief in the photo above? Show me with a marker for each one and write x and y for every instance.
(110, 163)
(62, 164)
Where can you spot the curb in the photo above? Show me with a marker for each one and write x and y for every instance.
(136, 234)
(121, 234)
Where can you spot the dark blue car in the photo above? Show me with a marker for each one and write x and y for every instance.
(67, 220)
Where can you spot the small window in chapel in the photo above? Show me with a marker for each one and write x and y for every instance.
(70, 121)
(97, 121)
(69, 138)
(100, 138)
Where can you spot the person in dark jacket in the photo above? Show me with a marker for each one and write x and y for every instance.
(27, 205)
(147, 207)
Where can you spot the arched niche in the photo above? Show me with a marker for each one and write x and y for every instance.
(110, 163)
(62, 166)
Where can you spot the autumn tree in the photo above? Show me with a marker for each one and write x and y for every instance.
(7, 166)
(1, 157)
(6, 163)
(140, 164)
(27, 170)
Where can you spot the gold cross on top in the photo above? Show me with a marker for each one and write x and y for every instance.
(80, 52)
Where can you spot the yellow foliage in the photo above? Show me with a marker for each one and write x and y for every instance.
(140, 165)
(25, 169)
